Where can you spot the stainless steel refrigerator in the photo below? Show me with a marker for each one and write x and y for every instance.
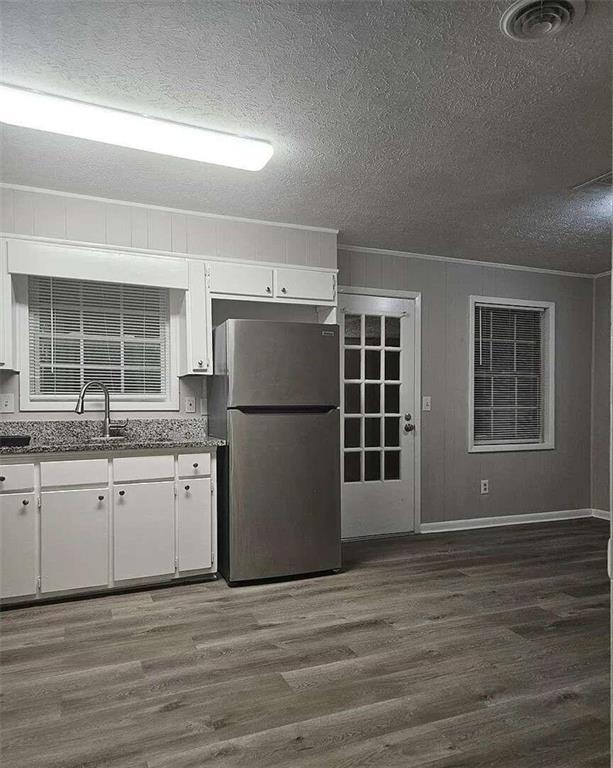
(275, 398)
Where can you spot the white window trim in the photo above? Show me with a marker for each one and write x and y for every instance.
(94, 402)
(549, 363)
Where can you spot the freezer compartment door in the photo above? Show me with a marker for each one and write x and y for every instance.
(284, 495)
(282, 364)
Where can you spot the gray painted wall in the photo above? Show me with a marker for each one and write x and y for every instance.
(601, 427)
(522, 482)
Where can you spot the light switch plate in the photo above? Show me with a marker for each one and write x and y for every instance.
(7, 403)
(426, 403)
(190, 404)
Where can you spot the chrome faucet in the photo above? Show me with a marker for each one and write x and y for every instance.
(80, 406)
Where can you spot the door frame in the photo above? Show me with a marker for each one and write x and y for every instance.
(416, 297)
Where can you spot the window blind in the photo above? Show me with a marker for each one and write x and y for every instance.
(508, 375)
(79, 331)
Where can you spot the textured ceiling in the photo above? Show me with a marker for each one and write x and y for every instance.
(408, 125)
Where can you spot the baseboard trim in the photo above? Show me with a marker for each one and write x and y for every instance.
(492, 522)
(602, 514)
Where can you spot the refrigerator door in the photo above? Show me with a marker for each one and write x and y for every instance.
(284, 495)
(282, 365)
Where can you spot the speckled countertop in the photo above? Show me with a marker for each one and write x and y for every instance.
(52, 437)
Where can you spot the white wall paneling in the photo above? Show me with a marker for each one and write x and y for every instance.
(84, 219)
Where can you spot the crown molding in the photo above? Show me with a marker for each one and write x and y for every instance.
(472, 262)
(184, 211)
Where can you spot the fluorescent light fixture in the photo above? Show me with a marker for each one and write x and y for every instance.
(43, 112)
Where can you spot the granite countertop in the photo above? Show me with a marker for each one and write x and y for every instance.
(110, 445)
(53, 437)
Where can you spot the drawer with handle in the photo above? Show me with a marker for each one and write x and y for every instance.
(194, 464)
(17, 477)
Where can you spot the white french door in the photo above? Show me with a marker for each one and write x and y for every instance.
(379, 414)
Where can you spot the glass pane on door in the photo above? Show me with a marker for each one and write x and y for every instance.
(372, 385)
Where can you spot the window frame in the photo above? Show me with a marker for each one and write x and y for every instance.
(548, 373)
(95, 400)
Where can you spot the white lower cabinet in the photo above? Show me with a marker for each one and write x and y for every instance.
(144, 530)
(17, 544)
(194, 524)
(74, 539)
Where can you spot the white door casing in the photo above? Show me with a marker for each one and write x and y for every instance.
(380, 410)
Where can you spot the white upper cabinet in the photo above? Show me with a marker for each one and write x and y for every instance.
(241, 279)
(311, 286)
(305, 285)
(7, 351)
(196, 353)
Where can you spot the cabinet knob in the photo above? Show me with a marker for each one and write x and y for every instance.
(195, 465)
(268, 289)
(2, 478)
(187, 487)
(100, 498)
(200, 363)
(122, 493)
(25, 502)
(283, 290)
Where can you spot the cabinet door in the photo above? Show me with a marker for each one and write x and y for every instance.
(305, 284)
(194, 512)
(6, 313)
(144, 534)
(198, 331)
(74, 539)
(240, 279)
(17, 544)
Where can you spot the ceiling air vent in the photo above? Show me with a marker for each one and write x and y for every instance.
(528, 20)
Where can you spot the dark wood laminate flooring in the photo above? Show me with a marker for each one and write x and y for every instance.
(463, 650)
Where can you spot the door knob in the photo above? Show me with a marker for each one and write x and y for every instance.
(407, 417)
(409, 427)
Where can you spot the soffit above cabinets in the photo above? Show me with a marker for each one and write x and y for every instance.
(75, 263)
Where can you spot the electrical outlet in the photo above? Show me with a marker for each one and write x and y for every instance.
(426, 403)
(7, 403)
(190, 404)
(485, 487)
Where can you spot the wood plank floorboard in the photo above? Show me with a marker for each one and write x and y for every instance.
(472, 649)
